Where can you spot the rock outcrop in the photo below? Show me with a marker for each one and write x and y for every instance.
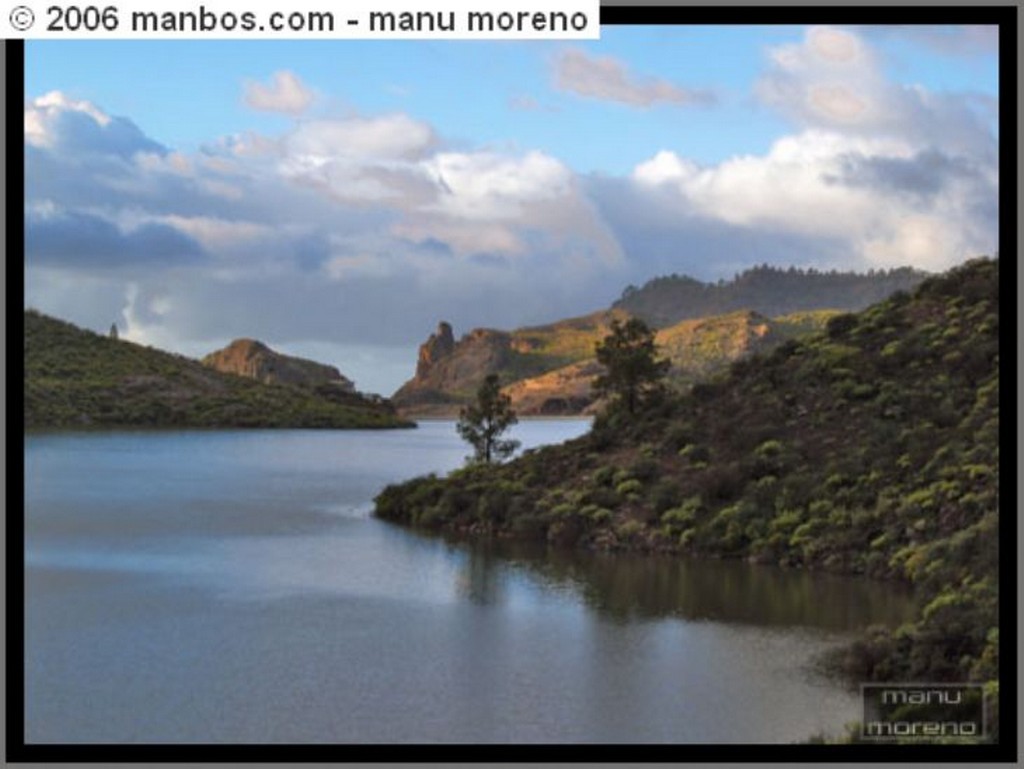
(253, 359)
(438, 346)
(448, 372)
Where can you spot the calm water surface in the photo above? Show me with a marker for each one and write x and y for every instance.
(232, 587)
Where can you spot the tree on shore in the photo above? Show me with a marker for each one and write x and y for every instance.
(632, 369)
(482, 423)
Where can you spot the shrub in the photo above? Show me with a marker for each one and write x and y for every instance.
(628, 529)
(602, 497)
(645, 469)
(684, 515)
(840, 325)
(596, 513)
(664, 495)
(620, 476)
(630, 486)
(696, 454)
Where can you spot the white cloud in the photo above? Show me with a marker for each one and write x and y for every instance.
(608, 79)
(55, 121)
(885, 174)
(831, 78)
(834, 80)
(285, 93)
(879, 197)
(488, 186)
(220, 235)
(387, 137)
(44, 111)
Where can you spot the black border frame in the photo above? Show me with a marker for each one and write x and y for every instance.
(16, 749)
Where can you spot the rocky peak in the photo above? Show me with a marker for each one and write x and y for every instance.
(253, 359)
(440, 345)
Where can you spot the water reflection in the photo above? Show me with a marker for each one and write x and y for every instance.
(627, 587)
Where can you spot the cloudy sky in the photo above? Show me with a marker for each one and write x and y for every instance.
(337, 199)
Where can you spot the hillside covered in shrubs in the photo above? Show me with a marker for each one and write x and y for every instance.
(869, 448)
(78, 379)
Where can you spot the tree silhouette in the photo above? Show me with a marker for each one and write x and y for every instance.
(633, 369)
(481, 423)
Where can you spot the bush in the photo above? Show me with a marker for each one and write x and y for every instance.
(840, 325)
(645, 469)
(602, 497)
(630, 486)
(603, 476)
(683, 516)
(663, 495)
(628, 530)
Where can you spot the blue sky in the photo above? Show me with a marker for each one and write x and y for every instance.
(469, 90)
(366, 189)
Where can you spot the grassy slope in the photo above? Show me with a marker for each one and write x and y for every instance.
(566, 341)
(870, 448)
(696, 348)
(75, 378)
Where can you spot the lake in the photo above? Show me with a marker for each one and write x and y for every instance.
(233, 587)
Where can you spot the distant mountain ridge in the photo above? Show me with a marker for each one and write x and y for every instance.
(771, 291)
(703, 327)
(78, 379)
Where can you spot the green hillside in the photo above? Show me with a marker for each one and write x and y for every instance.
(704, 346)
(565, 341)
(869, 448)
(78, 379)
(695, 349)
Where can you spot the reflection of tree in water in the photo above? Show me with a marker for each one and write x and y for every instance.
(631, 586)
(480, 579)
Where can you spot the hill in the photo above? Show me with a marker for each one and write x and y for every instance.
(76, 378)
(696, 349)
(770, 291)
(869, 448)
(253, 359)
(449, 372)
(703, 327)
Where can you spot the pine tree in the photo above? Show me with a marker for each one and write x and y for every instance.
(633, 370)
(481, 423)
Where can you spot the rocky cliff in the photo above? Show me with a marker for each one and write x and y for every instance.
(253, 359)
(440, 345)
(448, 372)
